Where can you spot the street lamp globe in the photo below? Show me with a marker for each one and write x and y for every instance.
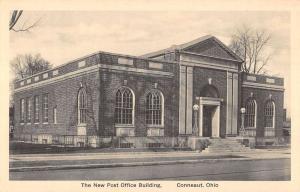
(243, 110)
(195, 107)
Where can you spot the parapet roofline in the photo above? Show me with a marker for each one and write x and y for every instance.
(190, 44)
(263, 75)
(92, 54)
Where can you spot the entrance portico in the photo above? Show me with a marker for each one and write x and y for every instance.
(209, 116)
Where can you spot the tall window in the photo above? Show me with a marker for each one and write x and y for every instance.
(269, 113)
(28, 110)
(45, 108)
(154, 108)
(22, 109)
(82, 106)
(250, 116)
(124, 110)
(36, 108)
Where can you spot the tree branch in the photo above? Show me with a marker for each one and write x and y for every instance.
(14, 19)
(27, 29)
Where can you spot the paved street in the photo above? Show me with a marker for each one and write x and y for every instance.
(222, 170)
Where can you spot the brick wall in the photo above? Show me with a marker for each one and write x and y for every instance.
(100, 86)
(140, 85)
(63, 96)
(261, 96)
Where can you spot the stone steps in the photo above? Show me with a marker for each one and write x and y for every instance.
(225, 145)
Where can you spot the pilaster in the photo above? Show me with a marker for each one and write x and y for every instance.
(189, 101)
(182, 100)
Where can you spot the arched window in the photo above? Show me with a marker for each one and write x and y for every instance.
(82, 106)
(124, 110)
(250, 115)
(154, 108)
(269, 113)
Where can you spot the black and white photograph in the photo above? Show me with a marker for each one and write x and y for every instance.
(129, 99)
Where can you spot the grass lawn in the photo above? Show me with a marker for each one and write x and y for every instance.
(30, 148)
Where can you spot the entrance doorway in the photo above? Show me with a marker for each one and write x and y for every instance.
(209, 116)
(207, 121)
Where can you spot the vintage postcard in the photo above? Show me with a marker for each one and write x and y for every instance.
(160, 96)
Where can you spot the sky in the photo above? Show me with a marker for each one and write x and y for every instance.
(61, 36)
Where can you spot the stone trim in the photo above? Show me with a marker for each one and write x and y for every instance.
(55, 72)
(93, 54)
(45, 75)
(136, 70)
(125, 131)
(91, 69)
(251, 78)
(216, 117)
(270, 80)
(209, 56)
(155, 65)
(59, 78)
(81, 64)
(36, 78)
(208, 65)
(125, 61)
(210, 101)
(263, 86)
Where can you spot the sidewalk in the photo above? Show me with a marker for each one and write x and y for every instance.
(39, 162)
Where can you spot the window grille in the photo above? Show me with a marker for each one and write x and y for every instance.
(45, 108)
(250, 115)
(82, 106)
(28, 109)
(269, 113)
(154, 106)
(36, 108)
(124, 110)
(22, 106)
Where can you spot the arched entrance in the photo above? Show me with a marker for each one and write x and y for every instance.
(209, 112)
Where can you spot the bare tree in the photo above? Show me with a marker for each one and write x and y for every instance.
(15, 17)
(250, 45)
(26, 65)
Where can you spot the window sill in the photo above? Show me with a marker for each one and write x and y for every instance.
(155, 126)
(124, 125)
(45, 123)
(250, 128)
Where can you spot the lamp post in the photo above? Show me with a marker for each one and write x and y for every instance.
(242, 129)
(195, 127)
